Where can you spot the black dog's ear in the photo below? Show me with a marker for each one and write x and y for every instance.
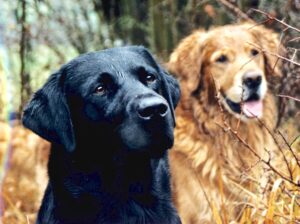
(47, 114)
(173, 86)
(171, 91)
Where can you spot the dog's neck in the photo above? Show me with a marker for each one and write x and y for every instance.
(127, 177)
(108, 196)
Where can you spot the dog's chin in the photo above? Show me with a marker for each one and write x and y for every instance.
(248, 109)
(150, 138)
(152, 144)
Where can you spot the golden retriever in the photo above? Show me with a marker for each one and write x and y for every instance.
(224, 75)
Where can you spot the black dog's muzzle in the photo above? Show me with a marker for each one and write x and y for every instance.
(149, 108)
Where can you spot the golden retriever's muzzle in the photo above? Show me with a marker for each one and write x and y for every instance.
(252, 81)
(251, 104)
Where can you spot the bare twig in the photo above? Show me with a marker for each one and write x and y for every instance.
(295, 140)
(294, 39)
(289, 97)
(290, 148)
(259, 23)
(266, 162)
(279, 147)
(294, 54)
(205, 194)
(274, 54)
(235, 10)
(270, 17)
(285, 190)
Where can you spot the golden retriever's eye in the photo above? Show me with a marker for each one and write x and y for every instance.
(150, 78)
(100, 90)
(222, 59)
(254, 52)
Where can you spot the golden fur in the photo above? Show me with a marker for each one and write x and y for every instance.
(208, 163)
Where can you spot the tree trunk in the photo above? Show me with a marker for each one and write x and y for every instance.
(158, 34)
(25, 88)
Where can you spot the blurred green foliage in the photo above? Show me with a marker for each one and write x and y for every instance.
(52, 32)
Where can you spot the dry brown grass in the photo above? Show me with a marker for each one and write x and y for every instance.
(25, 155)
(279, 198)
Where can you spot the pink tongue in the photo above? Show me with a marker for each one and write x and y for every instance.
(253, 108)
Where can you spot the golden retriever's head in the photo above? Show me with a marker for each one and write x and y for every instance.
(236, 60)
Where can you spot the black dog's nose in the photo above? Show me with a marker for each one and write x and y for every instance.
(152, 107)
(252, 80)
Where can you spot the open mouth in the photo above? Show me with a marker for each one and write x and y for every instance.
(252, 107)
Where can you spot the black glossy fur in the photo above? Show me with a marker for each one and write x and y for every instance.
(108, 161)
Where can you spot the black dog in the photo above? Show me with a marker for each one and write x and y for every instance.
(110, 118)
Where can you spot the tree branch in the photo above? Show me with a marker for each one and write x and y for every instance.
(270, 17)
(237, 11)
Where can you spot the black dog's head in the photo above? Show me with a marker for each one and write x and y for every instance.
(119, 98)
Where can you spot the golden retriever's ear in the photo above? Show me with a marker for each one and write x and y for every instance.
(270, 45)
(185, 61)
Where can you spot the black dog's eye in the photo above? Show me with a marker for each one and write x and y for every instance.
(222, 59)
(100, 90)
(254, 52)
(145, 76)
(150, 78)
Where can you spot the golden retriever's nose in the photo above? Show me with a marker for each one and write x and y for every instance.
(152, 107)
(252, 80)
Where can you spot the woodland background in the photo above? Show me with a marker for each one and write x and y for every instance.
(38, 36)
